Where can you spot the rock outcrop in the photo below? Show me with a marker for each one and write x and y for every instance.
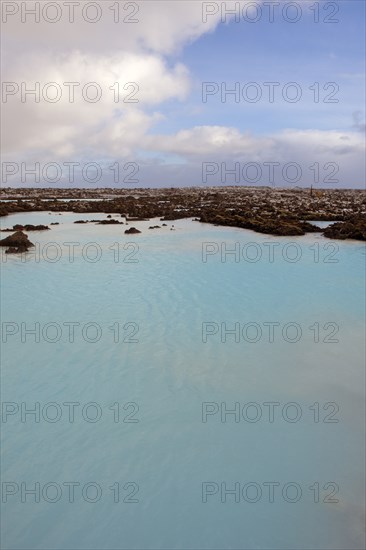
(28, 227)
(285, 226)
(18, 242)
(109, 222)
(132, 231)
(353, 228)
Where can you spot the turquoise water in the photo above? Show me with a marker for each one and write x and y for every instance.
(166, 300)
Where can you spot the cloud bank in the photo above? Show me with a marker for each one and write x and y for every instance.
(101, 92)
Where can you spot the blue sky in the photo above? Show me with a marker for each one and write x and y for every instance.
(303, 52)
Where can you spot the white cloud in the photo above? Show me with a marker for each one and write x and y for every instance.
(160, 26)
(64, 127)
(340, 156)
(225, 141)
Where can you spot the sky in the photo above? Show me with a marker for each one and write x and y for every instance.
(183, 93)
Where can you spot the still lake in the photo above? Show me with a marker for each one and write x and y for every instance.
(195, 388)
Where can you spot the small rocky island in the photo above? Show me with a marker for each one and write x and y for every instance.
(132, 231)
(16, 243)
(274, 211)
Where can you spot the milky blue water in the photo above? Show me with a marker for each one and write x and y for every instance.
(172, 467)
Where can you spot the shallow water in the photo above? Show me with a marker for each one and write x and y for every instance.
(159, 291)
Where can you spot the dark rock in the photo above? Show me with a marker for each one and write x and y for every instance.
(18, 242)
(16, 250)
(353, 228)
(109, 222)
(132, 231)
(281, 227)
(28, 227)
(310, 227)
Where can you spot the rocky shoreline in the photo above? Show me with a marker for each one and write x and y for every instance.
(283, 212)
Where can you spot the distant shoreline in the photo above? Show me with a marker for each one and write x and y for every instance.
(275, 211)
